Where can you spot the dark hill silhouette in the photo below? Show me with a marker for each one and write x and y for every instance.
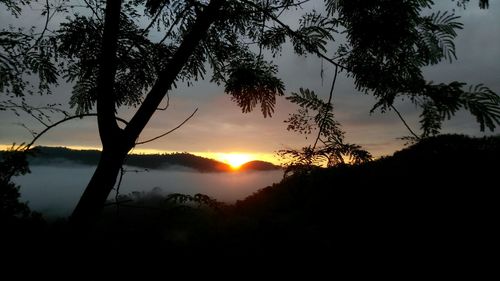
(258, 165)
(432, 204)
(437, 196)
(57, 155)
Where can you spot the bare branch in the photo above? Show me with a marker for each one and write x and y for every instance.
(176, 21)
(149, 26)
(162, 135)
(28, 146)
(329, 103)
(298, 4)
(94, 11)
(41, 114)
(404, 122)
(32, 133)
(47, 19)
(36, 117)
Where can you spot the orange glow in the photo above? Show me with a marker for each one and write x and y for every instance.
(235, 160)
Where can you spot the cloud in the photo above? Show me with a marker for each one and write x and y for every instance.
(219, 125)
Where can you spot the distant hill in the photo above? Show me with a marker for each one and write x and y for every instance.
(59, 155)
(431, 205)
(427, 198)
(258, 165)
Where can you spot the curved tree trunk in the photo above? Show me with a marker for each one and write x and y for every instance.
(92, 201)
(116, 141)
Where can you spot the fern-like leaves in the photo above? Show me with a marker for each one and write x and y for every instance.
(438, 32)
(330, 149)
(442, 101)
(253, 81)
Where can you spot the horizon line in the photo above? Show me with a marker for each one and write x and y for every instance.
(214, 155)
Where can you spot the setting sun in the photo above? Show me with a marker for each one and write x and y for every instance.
(235, 160)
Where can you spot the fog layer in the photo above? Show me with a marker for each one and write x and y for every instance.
(55, 190)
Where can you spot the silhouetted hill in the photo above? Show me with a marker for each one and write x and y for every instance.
(437, 196)
(58, 155)
(433, 204)
(258, 165)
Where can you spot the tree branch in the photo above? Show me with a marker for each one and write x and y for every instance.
(168, 76)
(176, 21)
(106, 119)
(47, 19)
(329, 103)
(94, 11)
(28, 146)
(404, 122)
(162, 135)
(291, 32)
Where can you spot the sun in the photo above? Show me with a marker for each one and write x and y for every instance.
(235, 160)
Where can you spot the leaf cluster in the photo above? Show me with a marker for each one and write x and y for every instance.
(389, 43)
(330, 148)
(13, 162)
(23, 54)
(226, 48)
(138, 61)
(440, 102)
(199, 199)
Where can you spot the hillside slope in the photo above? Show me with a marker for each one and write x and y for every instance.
(438, 195)
(433, 205)
(58, 155)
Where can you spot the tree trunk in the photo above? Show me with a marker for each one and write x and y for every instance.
(116, 141)
(114, 145)
(92, 201)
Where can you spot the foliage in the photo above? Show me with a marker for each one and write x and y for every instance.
(23, 54)
(387, 59)
(141, 59)
(199, 199)
(315, 115)
(13, 163)
(14, 6)
(442, 101)
(79, 43)
(384, 58)
(483, 4)
(252, 82)
(113, 60)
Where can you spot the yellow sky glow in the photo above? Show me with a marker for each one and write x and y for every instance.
(235, 159)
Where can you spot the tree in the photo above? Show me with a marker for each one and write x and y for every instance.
(114, 61)
(329, 148)
(13, 212)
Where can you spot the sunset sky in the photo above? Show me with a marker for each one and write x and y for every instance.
(219, 126)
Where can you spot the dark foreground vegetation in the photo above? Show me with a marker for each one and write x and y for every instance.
(430, 205)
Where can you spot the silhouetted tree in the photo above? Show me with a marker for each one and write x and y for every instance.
(329, 148)
(13, 163)
(113, 61)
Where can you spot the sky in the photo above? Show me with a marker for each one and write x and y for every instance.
(219, 128)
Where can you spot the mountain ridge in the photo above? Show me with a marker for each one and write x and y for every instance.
(57, 155)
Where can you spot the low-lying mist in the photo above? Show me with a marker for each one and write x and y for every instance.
(55, 190)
